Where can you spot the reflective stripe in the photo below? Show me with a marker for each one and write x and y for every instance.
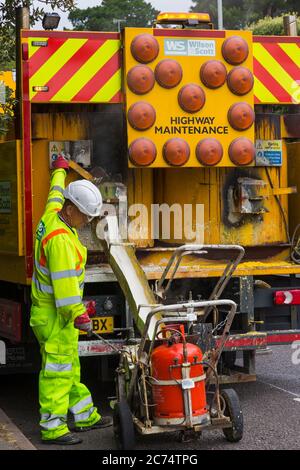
(57, 188)
(52, 421)
(55, 199)
(41, 268)
(81, 286)
(75, 299)
(81, 404)
(85, 415)
(42, 287)
(58, 367)
(66, 273)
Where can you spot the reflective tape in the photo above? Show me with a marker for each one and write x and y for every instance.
(46, 289)
(81, 286)
(52, 421)
(55, 199)
(57, 188)
(75, 299)
(85, 415)
(66, 273)
(81, 404)
(58, 367)
(41, 268)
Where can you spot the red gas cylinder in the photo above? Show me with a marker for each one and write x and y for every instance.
(169, 383)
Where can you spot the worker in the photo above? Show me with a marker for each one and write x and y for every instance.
(57, 312)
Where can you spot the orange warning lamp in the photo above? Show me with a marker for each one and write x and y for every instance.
(142, 152)
(140, 79)
(241, 116)
(191, 98)
(209, 151)
(241, 151)
(168, 73)
(176, 152)
(235, 50)
(141, 115)
(144, 48)
(240, 80)
(213, 73)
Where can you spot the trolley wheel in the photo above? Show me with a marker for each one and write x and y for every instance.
(234, 412)
(123, 426)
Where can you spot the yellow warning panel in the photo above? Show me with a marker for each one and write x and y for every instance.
(189, 97)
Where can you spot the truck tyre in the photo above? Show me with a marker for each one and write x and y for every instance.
(234, 412)
(123, 426)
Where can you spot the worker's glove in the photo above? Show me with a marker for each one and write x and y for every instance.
(84, 323)
(90, 306)
(60, 162)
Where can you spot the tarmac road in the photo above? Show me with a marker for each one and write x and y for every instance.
(271, 408)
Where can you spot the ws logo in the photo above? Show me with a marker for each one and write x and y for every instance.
(175, 47)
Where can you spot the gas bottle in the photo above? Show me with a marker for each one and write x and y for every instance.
(176, 372)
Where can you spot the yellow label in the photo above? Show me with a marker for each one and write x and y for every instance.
(102, 325)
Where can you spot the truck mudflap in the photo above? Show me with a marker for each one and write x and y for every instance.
(260, 340)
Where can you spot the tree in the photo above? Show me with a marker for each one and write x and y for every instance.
(7, 44)
(270, 26)
(136, 13)
(8, 21)
(238, 13)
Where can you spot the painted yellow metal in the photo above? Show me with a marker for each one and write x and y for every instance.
(169, 114)
(293, 151)
(11, 205)
(140, 195)
(154, 262)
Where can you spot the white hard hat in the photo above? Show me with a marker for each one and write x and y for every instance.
(86, 197)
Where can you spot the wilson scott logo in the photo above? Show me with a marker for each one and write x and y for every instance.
(190, 47)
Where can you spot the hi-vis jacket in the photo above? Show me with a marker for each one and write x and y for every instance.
(60, 259)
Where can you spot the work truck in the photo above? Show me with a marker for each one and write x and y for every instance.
(192, 136)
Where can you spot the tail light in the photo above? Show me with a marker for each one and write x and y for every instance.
(235, 50)
(168, 73)
(141, 115)
(213, 73)
(176, 152)
(140, 79)
(191, 98)
(144, 48)
(287, 297)
(142, 152)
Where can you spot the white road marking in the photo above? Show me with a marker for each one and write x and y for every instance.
(282, 390)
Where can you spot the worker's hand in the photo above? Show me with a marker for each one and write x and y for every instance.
(84, 323)
(60, 162)
(90, 306)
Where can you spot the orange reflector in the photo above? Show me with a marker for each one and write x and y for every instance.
(40, 88)
(213, 73)
(240, 80)
(176, 152)
(241, 151)
(141, 115)
(168, 73)
(144, 48)
(241, 116)
(191, 98)
(140, 79)
(235, 50)
(209, 151)
(142, 152)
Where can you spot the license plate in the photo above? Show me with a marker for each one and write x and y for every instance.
(101, 325)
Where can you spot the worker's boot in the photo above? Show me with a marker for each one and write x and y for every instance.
(66, 440)
(103, 422)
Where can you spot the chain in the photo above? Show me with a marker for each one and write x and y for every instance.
(219, 326)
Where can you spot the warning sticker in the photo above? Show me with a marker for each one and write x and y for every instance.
(268, 152)
(190, 47)
(5, 197)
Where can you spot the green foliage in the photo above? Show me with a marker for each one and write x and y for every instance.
(270, 26)
(7, 106)
(239, 13)
(136, 13)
